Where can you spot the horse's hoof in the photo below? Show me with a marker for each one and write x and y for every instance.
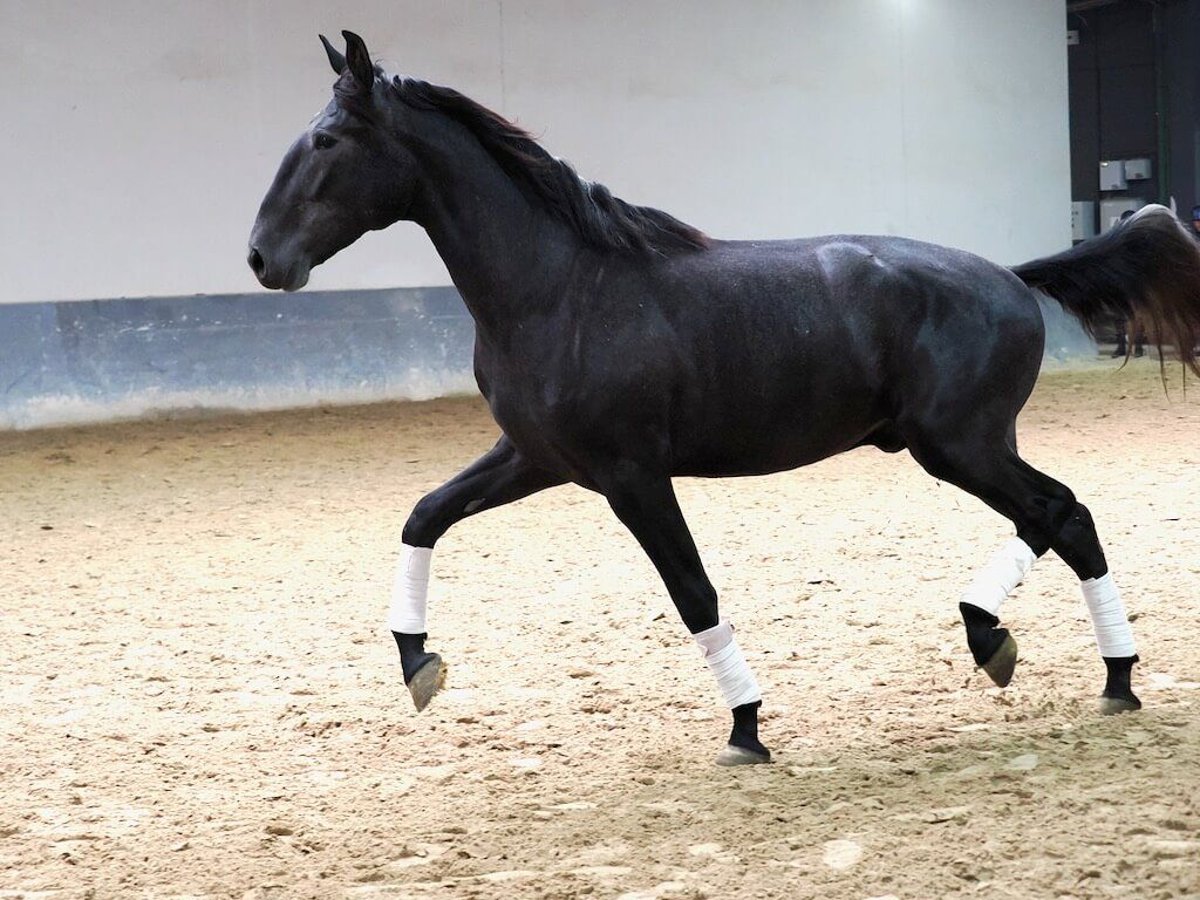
(740, 756)
(1000, 667)
(1111, 706)
(427, 681)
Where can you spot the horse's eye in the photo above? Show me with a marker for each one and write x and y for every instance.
(323, 141)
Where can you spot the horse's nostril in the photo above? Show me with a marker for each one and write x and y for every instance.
(256, 262)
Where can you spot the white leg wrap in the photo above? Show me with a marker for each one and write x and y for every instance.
(724, 658)
(1004, 571)
(410, 590)
(1114, 637)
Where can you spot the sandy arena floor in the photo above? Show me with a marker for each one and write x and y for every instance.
(199, 698)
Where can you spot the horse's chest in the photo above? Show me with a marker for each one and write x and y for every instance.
(527, 407)
(560, 409)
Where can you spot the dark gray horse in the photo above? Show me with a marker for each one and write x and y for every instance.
(618, 347)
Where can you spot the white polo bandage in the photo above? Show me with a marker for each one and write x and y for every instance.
(1004, 571)
(724, 658)
(1114, 637)
(410, 591)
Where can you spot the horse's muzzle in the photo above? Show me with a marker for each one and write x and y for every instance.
(290, 279)
(257, 263)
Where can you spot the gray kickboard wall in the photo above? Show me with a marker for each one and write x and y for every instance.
(70, 362)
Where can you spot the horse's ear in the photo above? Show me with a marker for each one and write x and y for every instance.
(359, 60)
(335, 59)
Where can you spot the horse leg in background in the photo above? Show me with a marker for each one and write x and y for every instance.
(1122, 348)
(1047, 516)
(1131, 338)
(646, 504)
(498, 477)
(1137, 335)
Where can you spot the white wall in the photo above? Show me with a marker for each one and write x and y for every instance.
(141, 134)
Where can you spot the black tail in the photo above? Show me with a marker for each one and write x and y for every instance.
(1146, 268)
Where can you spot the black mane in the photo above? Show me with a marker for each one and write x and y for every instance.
(598, 217)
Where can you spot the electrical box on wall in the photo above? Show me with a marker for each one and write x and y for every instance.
(1083, 220)
(1112, 209)
(1112, 175)
(1137, 169)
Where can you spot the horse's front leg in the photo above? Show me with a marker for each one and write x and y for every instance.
(500, 476)
(645, 503)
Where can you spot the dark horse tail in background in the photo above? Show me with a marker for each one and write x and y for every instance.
(618, 347)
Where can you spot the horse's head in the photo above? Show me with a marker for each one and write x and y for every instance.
(345, 175)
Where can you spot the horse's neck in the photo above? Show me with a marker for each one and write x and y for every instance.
(505, 253)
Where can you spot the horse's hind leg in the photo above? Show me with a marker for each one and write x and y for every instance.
(645, 503)
(993, 647)
(500, 476)
(1047, 516)
(1076, 543)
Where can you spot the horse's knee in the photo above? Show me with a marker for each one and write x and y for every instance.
(426, 523)
(1051, 511)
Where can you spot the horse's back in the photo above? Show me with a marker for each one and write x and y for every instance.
(906, 299)
(902, 269)
(869, 296)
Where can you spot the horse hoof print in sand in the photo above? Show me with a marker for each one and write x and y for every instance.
(618, 347)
